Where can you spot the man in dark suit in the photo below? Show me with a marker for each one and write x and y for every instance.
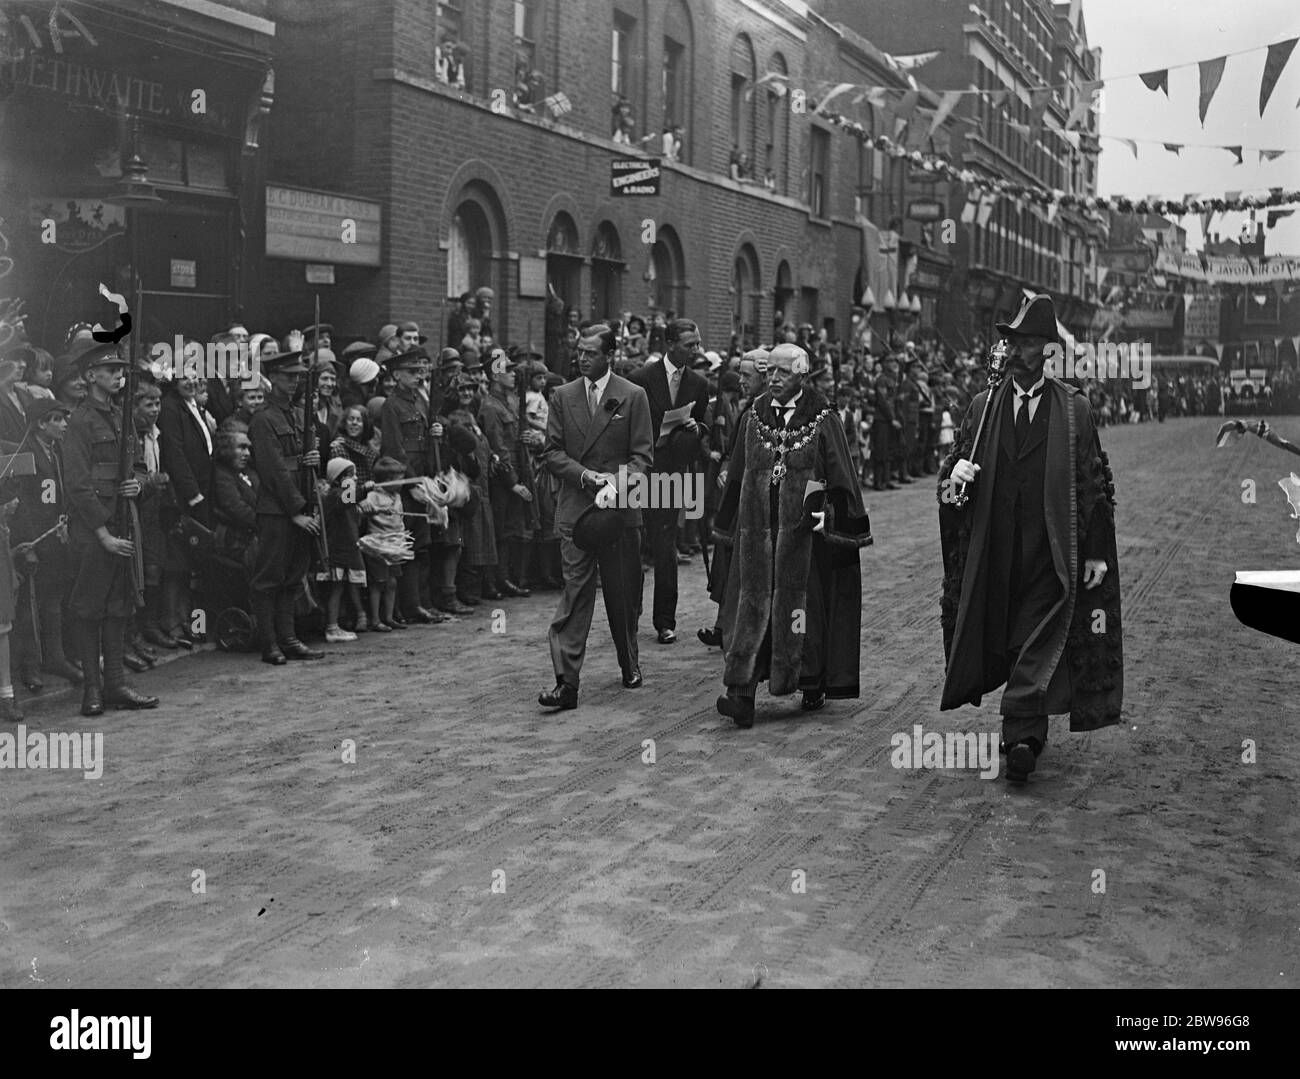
(672, 383)
(598, 424)
(1036, 603)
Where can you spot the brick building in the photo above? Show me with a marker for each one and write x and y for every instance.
(1007, 48)
(766, 210)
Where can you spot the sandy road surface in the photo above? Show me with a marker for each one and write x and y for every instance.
(617, 872)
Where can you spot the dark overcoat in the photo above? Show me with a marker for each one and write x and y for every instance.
(1073, 653)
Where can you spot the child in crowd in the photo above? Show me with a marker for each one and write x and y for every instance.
(381, 509)
(339, 499)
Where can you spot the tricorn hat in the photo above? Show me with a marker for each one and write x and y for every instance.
(1036, 317)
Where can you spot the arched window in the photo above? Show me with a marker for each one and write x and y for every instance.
(678, 75)
(606, 272)
(667, 273)
(476, 246)
(743, 103)
(747, 297)
(777, 151)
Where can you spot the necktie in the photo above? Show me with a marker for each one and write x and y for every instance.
(591, 397)
(675, 384)
(1022, 418)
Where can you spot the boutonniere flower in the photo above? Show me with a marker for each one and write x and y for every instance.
(612, 404)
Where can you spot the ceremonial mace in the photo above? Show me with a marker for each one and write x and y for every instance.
(997, 369)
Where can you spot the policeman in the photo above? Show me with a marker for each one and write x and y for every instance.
(404, 434)
(103, 592)
(285, 527)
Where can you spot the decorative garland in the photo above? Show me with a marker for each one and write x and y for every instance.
(1048, 197)
(780, 441)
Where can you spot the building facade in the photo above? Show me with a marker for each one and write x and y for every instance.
(130, 155)
(1031, 64)
(490, 133)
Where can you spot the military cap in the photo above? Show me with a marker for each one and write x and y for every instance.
(97, 355)
(417, 357)
(284, 363)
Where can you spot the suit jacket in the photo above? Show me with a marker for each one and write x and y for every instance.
(576, 441)
(694, 390)
(185, 456)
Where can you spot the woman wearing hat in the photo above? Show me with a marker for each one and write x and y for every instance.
(478, 558)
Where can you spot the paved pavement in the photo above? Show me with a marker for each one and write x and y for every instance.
(610, 871)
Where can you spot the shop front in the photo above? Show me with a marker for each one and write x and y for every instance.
(129, 157)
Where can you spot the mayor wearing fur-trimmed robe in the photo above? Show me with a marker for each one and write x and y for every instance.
(792, 512)
(1031, 589)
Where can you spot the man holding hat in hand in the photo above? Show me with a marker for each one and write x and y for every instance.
(1031, 591)
(597, 424)
(103, 594)
(284, 526)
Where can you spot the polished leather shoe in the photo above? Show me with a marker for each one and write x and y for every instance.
(813, 699)
(666, 636)
(632, 678)
(274, 657)
(710, 637)
(467, 600)
(9, 711)
(454, 606)
(421, 615)
(512, 589)
(126, 697)
(141, 647)
(295, 649)
(562, 696)
(740, 709)
(154, 635)
(92, 701)
(135, 663)
(1021, 760)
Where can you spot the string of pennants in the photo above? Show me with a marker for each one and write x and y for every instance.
(984, 191)
(1176, 148)
(1210, 72)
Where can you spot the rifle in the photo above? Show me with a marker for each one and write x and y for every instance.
(126, 521)
(310, 475)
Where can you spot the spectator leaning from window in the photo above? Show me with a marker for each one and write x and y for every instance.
(449, 62)
(624, 124)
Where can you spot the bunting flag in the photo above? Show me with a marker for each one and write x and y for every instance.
(968, 211)
(1173, 147)
(1211, 73)
(1039, 99)
(843, 87)
(900, 125)
(996, 97)
(1074, 138)
(1053, 208)
(987, 203)
(1131, 144)
(777, 78)
(1295, 344)
(1270, 155)
(1206, 219)
(1157, 80)
(1023, 130)
(913, 60)
(1077, 114)
(1278, 55)
(1088, 204)
(1273, 216)
(1235, 151)
(907, 105)
(946, 104)
(1218, 352)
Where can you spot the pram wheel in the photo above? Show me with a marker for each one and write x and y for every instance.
(234, 630)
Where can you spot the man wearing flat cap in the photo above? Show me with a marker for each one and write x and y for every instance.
(671, 383)
(285, 526)
(597, 424)
(1031, 588)
(103, 592)
(792, 513)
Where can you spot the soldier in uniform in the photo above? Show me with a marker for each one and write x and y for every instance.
(284, 526)
(404, 436)
(509, 491)
(909, 415)
(103, 593)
